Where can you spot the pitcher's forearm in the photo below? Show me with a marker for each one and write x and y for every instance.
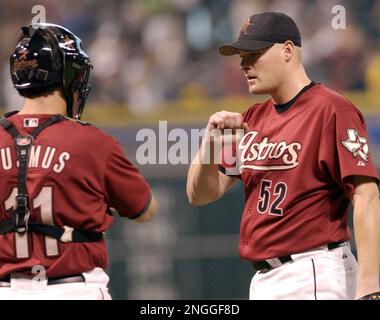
(203, 183)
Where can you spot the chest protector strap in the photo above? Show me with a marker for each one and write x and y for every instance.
(20, 216)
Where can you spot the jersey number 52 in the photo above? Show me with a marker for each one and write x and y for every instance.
(270, 199)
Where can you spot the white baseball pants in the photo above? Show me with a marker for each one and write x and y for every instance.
(94, 288)
(318, 274)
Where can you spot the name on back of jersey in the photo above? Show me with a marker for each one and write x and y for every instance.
(42, 157)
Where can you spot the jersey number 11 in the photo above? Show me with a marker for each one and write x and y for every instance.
(43, 201)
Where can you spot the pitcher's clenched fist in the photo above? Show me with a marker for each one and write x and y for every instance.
(226, 120)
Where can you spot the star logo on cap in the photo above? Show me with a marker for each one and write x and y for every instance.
(356, 144)
(246, 25)
(23, 54)
(68, 42)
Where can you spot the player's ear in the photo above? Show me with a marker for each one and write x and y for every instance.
(288, 50)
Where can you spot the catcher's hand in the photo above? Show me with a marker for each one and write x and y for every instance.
(371, 296)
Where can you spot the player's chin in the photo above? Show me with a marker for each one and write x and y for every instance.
(257, 90)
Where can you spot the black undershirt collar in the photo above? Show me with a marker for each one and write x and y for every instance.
(285, 106)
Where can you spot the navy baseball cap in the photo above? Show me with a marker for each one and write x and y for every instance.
(262, 31)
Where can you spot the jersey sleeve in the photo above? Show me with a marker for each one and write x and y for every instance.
(345, 150)
(126, 189)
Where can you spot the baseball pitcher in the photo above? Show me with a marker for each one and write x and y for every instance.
(303, 158)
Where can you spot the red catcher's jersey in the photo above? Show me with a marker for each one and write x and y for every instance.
(297, 169)
(75, 172)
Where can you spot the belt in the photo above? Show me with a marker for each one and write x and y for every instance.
(6, 281)
(270, 264)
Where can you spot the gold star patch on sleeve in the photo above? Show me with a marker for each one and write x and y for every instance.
(356, 144)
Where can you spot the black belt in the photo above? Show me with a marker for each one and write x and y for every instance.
(6, 281)
(264, 265)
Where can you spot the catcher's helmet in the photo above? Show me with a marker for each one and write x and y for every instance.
(49, 56)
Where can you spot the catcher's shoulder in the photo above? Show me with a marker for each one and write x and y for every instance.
(87, 127)
(80, 123)
(83, 123)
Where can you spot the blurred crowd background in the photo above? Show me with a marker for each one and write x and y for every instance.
(148, 52)
(158, 60)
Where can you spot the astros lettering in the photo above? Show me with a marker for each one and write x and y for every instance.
(251, 151)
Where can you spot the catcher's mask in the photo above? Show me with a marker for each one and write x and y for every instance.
(49, 56)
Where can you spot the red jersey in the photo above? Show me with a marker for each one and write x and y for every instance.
(297, 168)
(75, 173)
